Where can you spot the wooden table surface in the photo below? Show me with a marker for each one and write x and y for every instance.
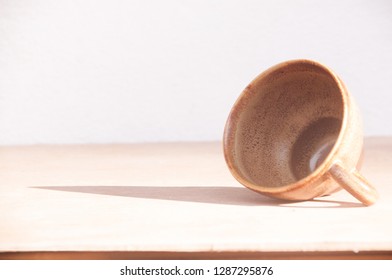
(176, 200)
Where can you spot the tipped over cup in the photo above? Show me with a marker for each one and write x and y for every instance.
(295, 133)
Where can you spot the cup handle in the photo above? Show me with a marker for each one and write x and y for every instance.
(355, 184)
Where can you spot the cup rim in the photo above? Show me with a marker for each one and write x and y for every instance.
(324, 167)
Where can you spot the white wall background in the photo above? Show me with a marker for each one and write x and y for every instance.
(128, 71)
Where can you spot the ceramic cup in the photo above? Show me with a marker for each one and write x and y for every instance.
(295, 133)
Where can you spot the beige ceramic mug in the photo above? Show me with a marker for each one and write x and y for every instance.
(295, 133)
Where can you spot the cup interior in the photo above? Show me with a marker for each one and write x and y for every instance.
(285, 124)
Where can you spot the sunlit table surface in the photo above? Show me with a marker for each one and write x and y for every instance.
(176, 200)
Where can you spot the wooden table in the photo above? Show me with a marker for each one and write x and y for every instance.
(176, 200)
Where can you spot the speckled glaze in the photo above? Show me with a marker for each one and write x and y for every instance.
(295, 133)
